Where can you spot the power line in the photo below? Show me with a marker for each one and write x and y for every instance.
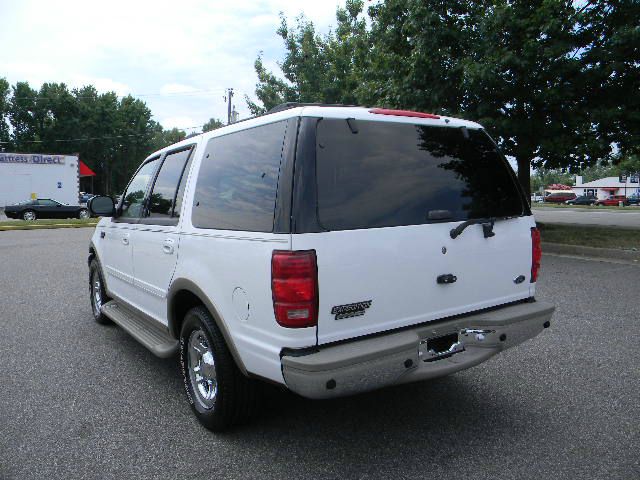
(193, 93)
(84, 139)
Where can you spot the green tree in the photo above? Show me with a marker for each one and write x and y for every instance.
(547, 78)
(542, 178)
(612, 70)
(316, 68)
(212, 124)
(112, 136)
(524, 83)
(163, 138)
(5, 91)
(22, 116)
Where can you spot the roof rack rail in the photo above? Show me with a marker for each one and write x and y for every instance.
(288, 105)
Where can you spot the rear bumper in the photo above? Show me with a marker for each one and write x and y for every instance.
(402, 357)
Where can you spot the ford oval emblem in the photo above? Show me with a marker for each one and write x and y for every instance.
(519, 279)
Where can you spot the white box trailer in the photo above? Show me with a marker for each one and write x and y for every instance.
(36, 175)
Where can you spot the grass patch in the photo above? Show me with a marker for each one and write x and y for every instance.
(588, 236)
(48, 223)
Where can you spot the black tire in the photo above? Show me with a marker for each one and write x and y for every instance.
(83, 211)
(95, 274)
(29, 216)
(236, 395)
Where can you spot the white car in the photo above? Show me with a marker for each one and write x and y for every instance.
(331, 250)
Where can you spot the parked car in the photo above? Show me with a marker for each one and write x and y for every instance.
(583, 200)
(634, 199)
(288, 248)
(613, 201)
(560, 197)
(45, 208)
(85, 197)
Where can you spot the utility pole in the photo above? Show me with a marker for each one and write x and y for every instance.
(228, 98)
(235, 116)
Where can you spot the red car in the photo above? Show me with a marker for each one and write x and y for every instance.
(613, 201)
(560, 197)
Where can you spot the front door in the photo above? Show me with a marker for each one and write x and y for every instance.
(119, 235)
(155, 249)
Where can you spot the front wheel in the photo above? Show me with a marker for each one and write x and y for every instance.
(29, 216)
(219, 394)
(83, 214)
(98, 293)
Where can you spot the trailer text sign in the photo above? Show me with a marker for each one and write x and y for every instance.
(31, 158)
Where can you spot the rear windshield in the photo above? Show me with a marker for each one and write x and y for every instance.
(382, 174)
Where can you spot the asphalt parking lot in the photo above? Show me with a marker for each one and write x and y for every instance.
(80, 400)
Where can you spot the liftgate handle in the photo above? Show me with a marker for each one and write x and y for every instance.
(446, 278)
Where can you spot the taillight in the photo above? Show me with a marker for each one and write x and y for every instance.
(536, 253)
(294, 287)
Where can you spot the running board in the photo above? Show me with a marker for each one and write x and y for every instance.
(155, 338)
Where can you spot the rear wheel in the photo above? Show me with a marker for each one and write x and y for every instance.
(219, 394)
(83, 213)
(29, 216)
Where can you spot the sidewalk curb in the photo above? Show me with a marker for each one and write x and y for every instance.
(559, 248)
(46, 226)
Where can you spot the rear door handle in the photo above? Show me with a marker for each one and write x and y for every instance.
(125, 239)
(167, 247)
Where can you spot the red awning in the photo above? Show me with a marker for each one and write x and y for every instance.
(86, 171)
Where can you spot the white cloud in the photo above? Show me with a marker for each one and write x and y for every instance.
(179, 57)
(183, 123)
(102, 84)
(171, 88)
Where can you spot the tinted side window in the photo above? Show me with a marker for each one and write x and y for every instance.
(388, 174)
(134, 196)
(162, 199)
(183, 182)
(237, 183)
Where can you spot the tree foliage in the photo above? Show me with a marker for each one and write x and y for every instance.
(212, 124)
(111, 135)
(555, 82)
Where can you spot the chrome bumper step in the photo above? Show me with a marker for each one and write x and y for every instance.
(155, 338)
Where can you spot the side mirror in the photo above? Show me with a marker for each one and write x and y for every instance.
(101, 206)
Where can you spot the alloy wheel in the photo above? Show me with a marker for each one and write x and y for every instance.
(202, 369)
(96, 294)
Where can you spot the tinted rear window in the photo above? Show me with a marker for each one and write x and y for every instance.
(238, 179)
(391, 174)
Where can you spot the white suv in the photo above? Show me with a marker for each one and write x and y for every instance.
(331, 250)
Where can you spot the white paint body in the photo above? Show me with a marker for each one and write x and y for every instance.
(394, 267)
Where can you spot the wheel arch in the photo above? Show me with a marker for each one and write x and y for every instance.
(93, 254)
(184, 295)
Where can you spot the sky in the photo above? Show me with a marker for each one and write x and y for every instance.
(179, 57)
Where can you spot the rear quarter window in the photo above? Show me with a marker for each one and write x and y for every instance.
(238, 180)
